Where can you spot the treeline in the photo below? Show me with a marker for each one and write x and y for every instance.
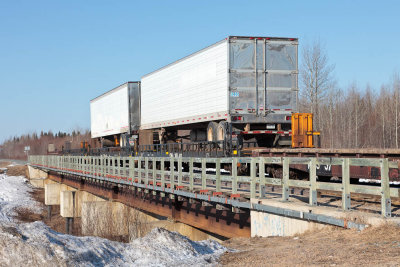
(358, 117)
(354, 117)
(13, 148)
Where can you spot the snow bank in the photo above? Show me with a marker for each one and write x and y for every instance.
(159, 248)
(14, 193)
(27, 244)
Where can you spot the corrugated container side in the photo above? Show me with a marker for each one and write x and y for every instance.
(190, 90)
(109, 113)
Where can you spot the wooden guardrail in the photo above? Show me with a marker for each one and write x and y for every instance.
(210, 175)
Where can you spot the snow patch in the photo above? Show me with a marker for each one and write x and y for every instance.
(35, 244)
(14, 193)
(374, 181)
(159, 248)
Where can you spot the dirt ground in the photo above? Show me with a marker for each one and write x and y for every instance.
(379, 246)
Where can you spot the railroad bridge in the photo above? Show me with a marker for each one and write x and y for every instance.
(201, 193)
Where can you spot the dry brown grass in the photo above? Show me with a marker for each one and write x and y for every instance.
(27, 215)
(118, 223)
(4, 164)
(332, 247)
(17, 170)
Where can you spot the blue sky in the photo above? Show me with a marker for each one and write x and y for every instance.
(57, 55)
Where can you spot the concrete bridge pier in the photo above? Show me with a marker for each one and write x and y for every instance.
(52, 191)
(37, 177)
(68, 210)
(71, 201)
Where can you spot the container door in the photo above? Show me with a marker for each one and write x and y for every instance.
(263, 75)
(281, 75)
(244, 61)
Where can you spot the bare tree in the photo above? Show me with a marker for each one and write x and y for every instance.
(316, 77)
(396, 92)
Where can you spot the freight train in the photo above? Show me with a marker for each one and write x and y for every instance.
(239, 90)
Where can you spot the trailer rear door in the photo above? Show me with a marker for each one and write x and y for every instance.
(273, 64)
(281, 75)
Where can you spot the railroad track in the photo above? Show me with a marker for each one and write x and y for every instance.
(392, 154)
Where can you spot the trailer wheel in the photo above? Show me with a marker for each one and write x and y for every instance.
(221, 133)
(212, 131)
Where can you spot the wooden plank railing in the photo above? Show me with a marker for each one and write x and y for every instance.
(210, 174)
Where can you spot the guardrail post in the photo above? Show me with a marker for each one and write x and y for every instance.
(179, 171)
(313, 182)
(119, 168)
(139, 170)
(146, 170)
(285, 179)
(86, 164)
(162, 172)
(261, 175)
(386, 202)
(131, 169)
(154, 170)
(100, 169)
(113, 166)
(191, 178)
(218, 175)
(124, 172)
(203, 173)
(234, 175)
(172, 172)
(92, 165)
(97, 167)
(95, 164)
(346, 184)
(110, 166)
(253, 177)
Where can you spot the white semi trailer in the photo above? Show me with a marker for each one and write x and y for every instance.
(246, 85)
(115, 114)
(240, 87)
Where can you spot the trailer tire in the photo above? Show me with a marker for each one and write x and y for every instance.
(122, 140)
(221, 133)
(212, 131)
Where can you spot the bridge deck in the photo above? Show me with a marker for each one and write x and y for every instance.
(206, 178)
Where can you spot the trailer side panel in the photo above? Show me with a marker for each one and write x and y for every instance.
(109, 113)
(191, 90)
